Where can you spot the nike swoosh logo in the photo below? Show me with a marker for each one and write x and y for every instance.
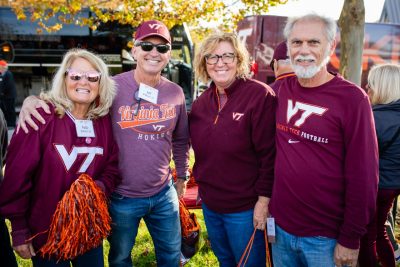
(290, 141)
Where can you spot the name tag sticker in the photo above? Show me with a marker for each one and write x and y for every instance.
(271, 229)
(148, 93)
(84, 128)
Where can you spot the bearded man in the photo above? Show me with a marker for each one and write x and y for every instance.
(326, 168)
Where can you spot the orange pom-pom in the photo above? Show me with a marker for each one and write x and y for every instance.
(80, 222)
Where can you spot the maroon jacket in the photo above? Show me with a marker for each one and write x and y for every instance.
(235, 147)
(42, 165)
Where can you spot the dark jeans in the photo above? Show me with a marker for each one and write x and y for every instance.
(376, 241)
(92, 258)
(7, 257)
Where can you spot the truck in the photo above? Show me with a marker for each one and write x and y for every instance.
(262, 33)
(33, 57)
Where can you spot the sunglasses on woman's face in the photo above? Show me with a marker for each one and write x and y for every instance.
(147, 47)
(91, 76)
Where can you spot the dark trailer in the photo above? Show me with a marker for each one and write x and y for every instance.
(34, 57)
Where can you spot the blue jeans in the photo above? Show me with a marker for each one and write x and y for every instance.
(92, 258)
(229, 234)
(294, 251)
(161, 215)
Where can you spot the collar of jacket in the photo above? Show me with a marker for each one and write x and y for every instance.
(230, 90)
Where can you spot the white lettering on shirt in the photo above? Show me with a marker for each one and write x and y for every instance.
(308, 111)
(70, 158)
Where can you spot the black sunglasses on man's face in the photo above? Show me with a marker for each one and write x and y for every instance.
(147, 47)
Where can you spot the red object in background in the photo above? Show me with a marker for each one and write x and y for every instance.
(191, 195)
(254, 67)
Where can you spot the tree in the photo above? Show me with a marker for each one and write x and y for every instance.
(351, 23)
(133, 12)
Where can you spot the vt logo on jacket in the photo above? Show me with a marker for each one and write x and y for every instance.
(237, 116)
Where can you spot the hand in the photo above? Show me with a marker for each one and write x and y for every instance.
(25, 251)
(28, 109)
(180, 186)
(345, 256)
(260, 213)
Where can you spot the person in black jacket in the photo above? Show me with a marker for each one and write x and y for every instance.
(384, 91)
(8, 94)
(7, 257)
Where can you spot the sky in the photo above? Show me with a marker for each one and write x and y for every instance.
(329, 8)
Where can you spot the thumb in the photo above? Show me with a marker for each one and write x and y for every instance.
(32, 250)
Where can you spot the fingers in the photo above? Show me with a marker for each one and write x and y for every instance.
(21, 123)
(345, 257)
(260, 213)
(32, 250)
(259, 222)
(43, 105)
(24, 251)
(180, 187)
(29, 109)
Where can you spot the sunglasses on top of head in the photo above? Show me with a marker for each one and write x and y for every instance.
(91, 76)
(147, 47)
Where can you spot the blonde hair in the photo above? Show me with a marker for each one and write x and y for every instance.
(58, 92)
(211, 43)
(384, 82)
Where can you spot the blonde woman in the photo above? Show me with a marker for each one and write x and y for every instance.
(384, 92)
(232, 129)
(41, 165)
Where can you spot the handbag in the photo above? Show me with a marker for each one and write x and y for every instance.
(245, 256)
(191, 233)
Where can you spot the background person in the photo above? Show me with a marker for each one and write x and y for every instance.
(7, 256)
(148, 134)
(326, 167)
(232, 128)
(42, 165)
(281, 66)
(8, 94)
(384, 92)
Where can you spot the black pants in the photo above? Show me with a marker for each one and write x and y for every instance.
(7, 257)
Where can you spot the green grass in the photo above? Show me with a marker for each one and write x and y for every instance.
(143, 253)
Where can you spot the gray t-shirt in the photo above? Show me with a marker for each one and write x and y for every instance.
(147, 141)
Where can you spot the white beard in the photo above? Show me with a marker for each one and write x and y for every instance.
(309, 71)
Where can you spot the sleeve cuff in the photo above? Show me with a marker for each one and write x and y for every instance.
(349, 242)
(19, 237)
(101, 185)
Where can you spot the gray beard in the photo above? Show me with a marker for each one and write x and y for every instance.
(309, 72)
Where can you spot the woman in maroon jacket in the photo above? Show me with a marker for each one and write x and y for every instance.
(42, 165)
(232, 128)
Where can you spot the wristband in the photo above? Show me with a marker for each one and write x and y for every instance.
(185, 178)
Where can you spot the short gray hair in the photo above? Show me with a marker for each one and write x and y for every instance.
(330, 25)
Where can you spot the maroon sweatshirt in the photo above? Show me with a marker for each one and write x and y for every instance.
(42, 165)
(326, 170)
(235, 147)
